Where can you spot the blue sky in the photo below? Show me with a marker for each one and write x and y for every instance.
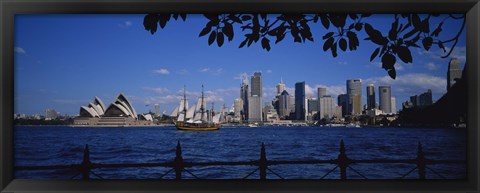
(63, 61)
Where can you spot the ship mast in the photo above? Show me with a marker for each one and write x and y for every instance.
(202, 108)
(184, 100)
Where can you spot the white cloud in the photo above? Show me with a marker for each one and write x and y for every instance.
(213, 72)
(459, 52)
(411, 84)
(183, 71)
(20, 50)
(342, 62)
(432, 66)
(125, 24)
(241, 76)
(158, 90)
(269, 71)
(162, 71)
(204, 70)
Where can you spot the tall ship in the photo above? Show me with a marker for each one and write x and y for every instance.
(196, 118)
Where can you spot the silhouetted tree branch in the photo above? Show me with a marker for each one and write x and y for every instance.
(406, 31)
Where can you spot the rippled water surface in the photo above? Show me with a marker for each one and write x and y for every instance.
(61, 145)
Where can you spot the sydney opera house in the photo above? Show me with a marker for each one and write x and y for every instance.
(119, 113)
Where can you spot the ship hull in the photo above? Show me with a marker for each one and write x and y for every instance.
(197, 127)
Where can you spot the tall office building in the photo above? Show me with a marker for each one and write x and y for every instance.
(280, 87)
(244, 95)
(321, 92)
(312, 105)
(454, 72)
(385, 96)
(255, 109)
(300, 100)
(51, 114)
(425, 98)
(393, 103)
(327, 107)
(238, 107)
(257, 84)
(284, 104)
(342, 101)
(157, 110)
(354, 88)
(370, 96)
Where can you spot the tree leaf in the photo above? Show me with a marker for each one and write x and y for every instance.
(328, 44)
(343, 44)
(392, 73)
(212, 37)
(184, 16)
(246, 17)
(325, 21)
(392, 34)
(150, 23)
(334, 50)
(417, 23)
(374, 54)
(205, 31)
(328, 35)
(437, 31)
(220, 39)
(266, 43)
(228, 31)
(243, 43)
(163, 19)
(358, 26)
(440, 45)
(279, 37)
(388, 60)
(427, 43)
(353, 42)
(404, 54)
(212, 17)
(375, 35)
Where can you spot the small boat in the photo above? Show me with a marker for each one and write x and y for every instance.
(195, 118)
(352, 125)
(253, 125)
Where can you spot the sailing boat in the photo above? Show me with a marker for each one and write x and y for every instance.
(195, 118)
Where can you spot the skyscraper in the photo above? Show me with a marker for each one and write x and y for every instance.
(280, 87)
(425, 98)
(157, 110)
(454, 72)
(257, 84)
(238, 107)
(255, 109)
(244, 95)
(300, 100)
(327, 107)
(385, 98)
(284, 104)
(354, 88)
(370, 96)
(321, 92)
(342, 101)
(393, 103)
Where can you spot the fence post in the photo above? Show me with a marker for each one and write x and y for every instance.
(178, 163)
(86, 165)
(342, 161)
(262, 165)
(421, 162)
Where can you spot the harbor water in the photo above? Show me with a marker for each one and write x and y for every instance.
(64, 145)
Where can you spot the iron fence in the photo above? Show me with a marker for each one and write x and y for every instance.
(179, 166)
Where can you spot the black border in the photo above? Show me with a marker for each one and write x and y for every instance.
(8, 8)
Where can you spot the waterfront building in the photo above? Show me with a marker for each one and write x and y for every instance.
(280, 87)
(51, 114)
(327, 107)
(291, 104)
(284, 104)
(118, 113)
(244, 95)
(385, 98)
(321, 92)
(393, 103)
(425, 98)
(370, 97)
(157, 110)
(342, 101)
(354, 88)
(257, 84)
(312, 104)
(255, 109)
(300, 100)
(454, 72)
(238, 107)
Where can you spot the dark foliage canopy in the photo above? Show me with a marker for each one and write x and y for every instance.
(406, 31)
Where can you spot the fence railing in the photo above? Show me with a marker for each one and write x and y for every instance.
(262, 164)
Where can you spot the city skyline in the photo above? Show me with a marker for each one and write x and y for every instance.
(68, 72)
